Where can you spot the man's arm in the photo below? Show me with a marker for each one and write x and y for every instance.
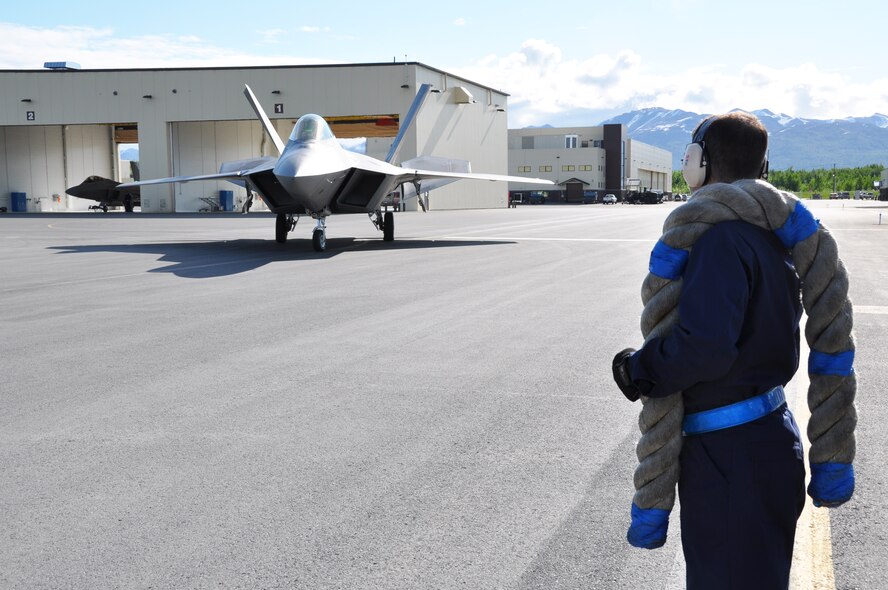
(702, 345)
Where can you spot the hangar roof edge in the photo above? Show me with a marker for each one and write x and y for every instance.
(273, 67)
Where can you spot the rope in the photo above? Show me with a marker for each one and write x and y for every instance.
(828, 331)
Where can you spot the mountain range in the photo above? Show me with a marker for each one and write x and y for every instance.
(802, 144)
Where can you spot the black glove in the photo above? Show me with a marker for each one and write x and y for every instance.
(622, 376)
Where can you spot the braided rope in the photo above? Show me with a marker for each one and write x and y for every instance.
(828, 331)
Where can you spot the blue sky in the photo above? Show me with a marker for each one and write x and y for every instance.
(563, 63)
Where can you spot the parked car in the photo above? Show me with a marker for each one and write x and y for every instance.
(609, 199)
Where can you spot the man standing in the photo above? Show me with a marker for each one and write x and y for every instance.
(733, 347)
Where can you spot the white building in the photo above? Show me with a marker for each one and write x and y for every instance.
(59, 126)
(598, 159)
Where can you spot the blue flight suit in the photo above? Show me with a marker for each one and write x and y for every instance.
(741, 489)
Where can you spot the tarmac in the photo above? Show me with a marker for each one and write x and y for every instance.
(188, 404)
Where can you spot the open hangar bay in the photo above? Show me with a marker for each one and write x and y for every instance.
(187, 404)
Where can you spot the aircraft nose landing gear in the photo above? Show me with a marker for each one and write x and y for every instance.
(319, 236)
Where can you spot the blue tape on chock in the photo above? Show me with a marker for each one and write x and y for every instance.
(800, 225)
(648, 528)
(822, 363)
(667, 262)
(831, 484)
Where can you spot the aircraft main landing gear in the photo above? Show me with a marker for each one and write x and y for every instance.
(384, 222)
(388, 227)
(283, 224)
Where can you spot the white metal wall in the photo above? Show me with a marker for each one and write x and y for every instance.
(650, 164)
(474, 131)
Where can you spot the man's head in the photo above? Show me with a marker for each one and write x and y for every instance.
(726, 148)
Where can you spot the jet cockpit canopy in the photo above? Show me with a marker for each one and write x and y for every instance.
(311, 128)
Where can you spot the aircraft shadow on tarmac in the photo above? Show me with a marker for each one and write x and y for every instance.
(201, 260)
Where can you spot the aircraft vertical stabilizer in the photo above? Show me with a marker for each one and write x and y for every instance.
(408, 120)
(266, 122)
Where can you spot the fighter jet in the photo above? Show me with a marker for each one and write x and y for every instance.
(316, 176)
(107, 192)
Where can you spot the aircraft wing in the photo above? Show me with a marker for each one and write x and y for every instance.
(232, 174)
(420, 175)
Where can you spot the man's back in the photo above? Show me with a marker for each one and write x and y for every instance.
(737, 335)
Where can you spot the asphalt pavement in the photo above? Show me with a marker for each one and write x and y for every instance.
(188, 404)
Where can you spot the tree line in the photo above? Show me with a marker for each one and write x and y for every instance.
(806, 182)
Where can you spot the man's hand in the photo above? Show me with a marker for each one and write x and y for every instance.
(622, 377)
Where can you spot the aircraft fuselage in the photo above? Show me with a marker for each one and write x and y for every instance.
(315, 175)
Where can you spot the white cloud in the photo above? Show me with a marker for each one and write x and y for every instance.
(542, 83)
(271, 36)
(24, 47)
(545, 85)
(460, 22)
(312, 29)
(803, 90)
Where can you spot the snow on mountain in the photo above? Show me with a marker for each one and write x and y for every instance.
(794, 142)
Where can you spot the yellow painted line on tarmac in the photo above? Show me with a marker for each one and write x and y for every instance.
(812, 563)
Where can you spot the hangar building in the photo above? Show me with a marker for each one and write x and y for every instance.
(58, 126)
(598, 159)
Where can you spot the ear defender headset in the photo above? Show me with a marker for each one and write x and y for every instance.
(695, 163)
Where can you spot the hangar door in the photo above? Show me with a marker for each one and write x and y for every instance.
(42, 161)
(201, 147)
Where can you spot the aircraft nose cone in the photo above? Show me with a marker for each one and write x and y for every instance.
(306, 161)
(288, 165)
(307, 181)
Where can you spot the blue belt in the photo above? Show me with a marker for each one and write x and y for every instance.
(734, 414)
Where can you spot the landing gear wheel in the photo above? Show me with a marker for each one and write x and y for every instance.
(281, 228)
(388, 227)
(319, 240)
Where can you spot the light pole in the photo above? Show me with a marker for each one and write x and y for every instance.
(834, 177)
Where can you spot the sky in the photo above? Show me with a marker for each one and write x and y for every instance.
(562, 63)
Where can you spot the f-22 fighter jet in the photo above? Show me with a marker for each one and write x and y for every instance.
(316, 176)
